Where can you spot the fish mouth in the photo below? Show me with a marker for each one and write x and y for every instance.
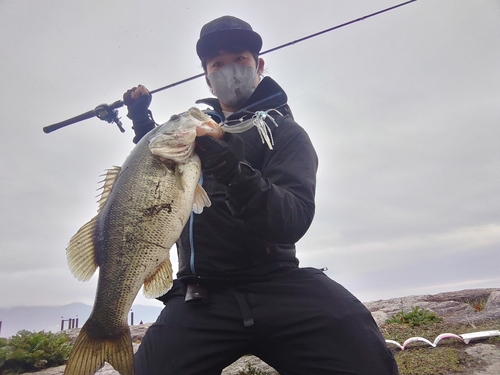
(175, 140)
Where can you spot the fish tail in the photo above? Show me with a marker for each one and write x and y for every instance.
(89, 354)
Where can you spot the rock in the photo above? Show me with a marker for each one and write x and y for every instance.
(489, 354)
(493, 302)
(453, 307)
(137, 332)
(256, 363)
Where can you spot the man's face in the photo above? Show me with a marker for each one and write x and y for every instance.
(223, 58)
(242, 58)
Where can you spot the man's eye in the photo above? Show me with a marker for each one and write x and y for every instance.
(240, 58)
(217, 64)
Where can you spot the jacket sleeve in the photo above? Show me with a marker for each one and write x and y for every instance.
(141, 128)
(278, 200)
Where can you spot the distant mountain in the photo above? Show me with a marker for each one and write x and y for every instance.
(50, 318)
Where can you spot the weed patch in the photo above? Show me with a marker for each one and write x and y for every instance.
(449, 357)
(416, 317)
(29, 351)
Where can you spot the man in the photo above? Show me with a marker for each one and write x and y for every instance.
(239, 289)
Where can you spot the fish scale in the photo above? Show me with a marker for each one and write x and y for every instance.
(143, 208)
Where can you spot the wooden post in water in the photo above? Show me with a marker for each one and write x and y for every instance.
(72, 323)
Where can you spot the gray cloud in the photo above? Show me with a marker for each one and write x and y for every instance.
(402, 109)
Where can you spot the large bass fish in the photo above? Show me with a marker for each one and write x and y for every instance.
(142, 211)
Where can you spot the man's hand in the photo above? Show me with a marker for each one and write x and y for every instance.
(209, 128)
(137, 100)
(221, 158)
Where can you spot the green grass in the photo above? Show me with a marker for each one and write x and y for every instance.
(448, 357)
(416, 317)
(30, 351)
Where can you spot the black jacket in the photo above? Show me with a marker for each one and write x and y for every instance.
(249, 232)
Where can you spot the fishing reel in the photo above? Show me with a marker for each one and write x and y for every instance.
(107, 113)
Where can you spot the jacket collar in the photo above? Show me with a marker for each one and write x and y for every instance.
(267, 95)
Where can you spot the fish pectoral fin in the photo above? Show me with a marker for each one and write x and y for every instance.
(200, 200)
(89, 354)
(179, 179)
(80, 252)
(109, 181)
(159, 283)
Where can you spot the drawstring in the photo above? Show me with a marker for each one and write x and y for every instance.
(244, 307)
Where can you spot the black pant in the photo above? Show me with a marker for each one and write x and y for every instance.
(300, 323)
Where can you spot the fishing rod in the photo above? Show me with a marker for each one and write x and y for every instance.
(109, 112)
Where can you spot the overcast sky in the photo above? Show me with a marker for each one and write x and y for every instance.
(403, 109)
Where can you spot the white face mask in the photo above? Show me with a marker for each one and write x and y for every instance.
(234, 83)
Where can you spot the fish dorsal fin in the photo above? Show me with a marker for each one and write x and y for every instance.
(201, 199)
(109, 181)
(160, 283)
(80, 252)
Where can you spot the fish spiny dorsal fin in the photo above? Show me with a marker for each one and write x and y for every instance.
(80, 252)
(160, 283)
(201, 200)
(109, 180)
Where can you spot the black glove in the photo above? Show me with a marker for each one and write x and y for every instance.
(139, 113)
(137, 108)
(221, 158)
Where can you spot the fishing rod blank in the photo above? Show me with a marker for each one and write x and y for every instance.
(109, 113)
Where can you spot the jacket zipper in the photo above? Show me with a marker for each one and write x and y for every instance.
(191, 236)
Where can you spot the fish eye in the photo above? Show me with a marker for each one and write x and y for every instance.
(174, 118)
